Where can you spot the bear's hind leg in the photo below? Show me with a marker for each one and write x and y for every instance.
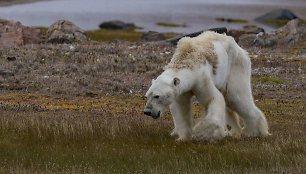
(232, 119)
(239, 98)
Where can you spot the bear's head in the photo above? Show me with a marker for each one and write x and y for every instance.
(160, 95)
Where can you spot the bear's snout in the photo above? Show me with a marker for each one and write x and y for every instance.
(148, 113)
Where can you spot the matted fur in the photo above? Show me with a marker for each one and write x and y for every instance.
(193, 52)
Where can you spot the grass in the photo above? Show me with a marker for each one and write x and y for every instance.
(109, 35)
(43, 29)
(278, 22)
(80, 111)
(108, 141)
(164, 24)
(232, 20)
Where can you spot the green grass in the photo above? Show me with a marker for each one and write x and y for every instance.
(109, 35)
(278, 22)
(164, 24)
(43, 29)
(129, 142)
(232, 20)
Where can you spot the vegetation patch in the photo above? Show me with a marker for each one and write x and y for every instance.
(43, 29)
(232, 20)
(164, 24)
(129, 142)
(80, 110)
(110, 35)
(278, 22)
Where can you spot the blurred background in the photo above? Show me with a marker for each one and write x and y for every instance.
(155, 15)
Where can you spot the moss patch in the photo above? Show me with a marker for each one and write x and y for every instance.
(43, 29)
(164, 24)
(278, 22)
(232, 20)
(110, 35)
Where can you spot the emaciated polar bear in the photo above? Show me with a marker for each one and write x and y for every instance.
(217, 71)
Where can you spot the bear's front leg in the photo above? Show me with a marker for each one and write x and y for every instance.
(212, 126)
(182, 115)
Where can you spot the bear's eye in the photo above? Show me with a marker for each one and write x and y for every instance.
(156, 96)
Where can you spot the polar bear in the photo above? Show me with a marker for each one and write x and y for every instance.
(214, 69)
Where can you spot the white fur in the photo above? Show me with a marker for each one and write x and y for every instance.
(232, 78)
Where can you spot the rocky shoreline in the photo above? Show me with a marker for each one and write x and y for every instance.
(64, 60)
(4, 3)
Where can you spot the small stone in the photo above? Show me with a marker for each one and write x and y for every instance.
(6, 73)
(11, 58)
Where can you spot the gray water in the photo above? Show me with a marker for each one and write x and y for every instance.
(197, 14)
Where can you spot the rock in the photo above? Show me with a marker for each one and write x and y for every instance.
(174, 41)
(13, 33)
(251, 29)
(152, 36)
(275, 16)
(6, 73)
(248, 30)
(11, 58)
(236, 34)
(116, 25)
(262, 40)
(292, 33)
(64, 31)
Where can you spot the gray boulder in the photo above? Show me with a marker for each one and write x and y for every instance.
(116, 25)
(248, 30)
(275, 17)
(292, 33)
(64, 31)
(261, 40)
(152, 36)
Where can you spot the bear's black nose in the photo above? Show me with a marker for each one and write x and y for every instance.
(147, 113)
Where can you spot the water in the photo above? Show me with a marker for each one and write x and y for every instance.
(197, 14)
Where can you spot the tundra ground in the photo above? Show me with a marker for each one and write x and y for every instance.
(78, 109)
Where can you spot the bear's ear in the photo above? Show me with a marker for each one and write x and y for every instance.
(176, 81)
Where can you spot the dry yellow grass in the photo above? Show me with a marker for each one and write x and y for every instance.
(111, 138)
